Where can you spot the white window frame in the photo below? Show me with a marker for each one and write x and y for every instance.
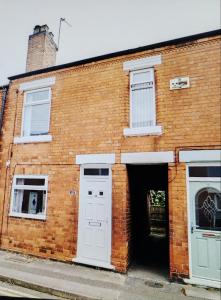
(29, 187)
(147, 130)
(36, 103)
(138, 65)
(132, 73)
(32, 86)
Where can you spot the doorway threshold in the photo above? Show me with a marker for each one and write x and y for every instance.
(93, 263)
(152, 274)
(203, 282)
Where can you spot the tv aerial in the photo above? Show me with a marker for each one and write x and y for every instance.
(59, 32)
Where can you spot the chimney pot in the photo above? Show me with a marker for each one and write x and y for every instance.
(37, 29)
(44, 28)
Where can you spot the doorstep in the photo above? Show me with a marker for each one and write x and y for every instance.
(203, 293)
(203, 282)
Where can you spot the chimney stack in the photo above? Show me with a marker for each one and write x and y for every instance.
(41, 49)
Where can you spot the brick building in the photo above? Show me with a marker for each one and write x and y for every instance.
(116, 159)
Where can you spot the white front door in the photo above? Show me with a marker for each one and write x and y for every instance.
(205, 213)
(94, 224)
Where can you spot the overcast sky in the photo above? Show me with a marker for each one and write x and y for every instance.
(98, 26)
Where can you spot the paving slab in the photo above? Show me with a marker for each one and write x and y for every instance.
(203, 293)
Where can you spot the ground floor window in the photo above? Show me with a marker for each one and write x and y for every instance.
(29, 196)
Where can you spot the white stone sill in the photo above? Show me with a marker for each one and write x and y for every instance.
(141, 131)
(27, 216)
(32, 139)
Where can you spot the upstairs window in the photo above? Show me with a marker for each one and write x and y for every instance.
(142, 118)
(142, 98)
(36, 114)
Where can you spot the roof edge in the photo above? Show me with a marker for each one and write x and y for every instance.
(120, 53)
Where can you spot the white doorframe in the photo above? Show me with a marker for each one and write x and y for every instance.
(192, 279)
(78, 259)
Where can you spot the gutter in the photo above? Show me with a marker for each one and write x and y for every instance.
(173, 42)
(3, 100)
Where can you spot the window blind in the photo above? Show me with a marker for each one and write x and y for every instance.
(36, 113)
(142, 98)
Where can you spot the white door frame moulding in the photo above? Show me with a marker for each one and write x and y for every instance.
(147, 157)
(107, 158)
(200, 156)
(192, 279)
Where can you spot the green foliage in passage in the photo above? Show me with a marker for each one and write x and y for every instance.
(157, 198)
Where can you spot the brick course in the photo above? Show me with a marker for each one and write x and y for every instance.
(90, 109)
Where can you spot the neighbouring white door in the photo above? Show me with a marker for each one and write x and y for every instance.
(205, 213)
(94, 224)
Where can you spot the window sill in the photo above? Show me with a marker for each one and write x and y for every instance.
(28, 216)
(32, 139)
(140, 131)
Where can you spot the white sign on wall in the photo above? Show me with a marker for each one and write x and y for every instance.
(179, 83)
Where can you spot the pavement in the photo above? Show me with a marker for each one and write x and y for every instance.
(8, 290)
(72, 281)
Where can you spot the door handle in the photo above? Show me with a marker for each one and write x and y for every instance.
(96, 224)
(191, 229)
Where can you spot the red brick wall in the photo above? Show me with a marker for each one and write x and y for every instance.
(90, 109)
(178, 221)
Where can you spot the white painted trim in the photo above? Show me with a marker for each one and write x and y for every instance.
(203, 164)
(108, 158)
(200, 155)
(93, 263)
(37, 84)
(43, 188)
(203, 282)
(32, 139)
(188, 222)
(140, 131)
(201, 179)
(31, 176)
(28, 216)
(147, 157)
(142, 63)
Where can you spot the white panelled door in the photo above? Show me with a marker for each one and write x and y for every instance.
(205, 213)
(94, 224)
